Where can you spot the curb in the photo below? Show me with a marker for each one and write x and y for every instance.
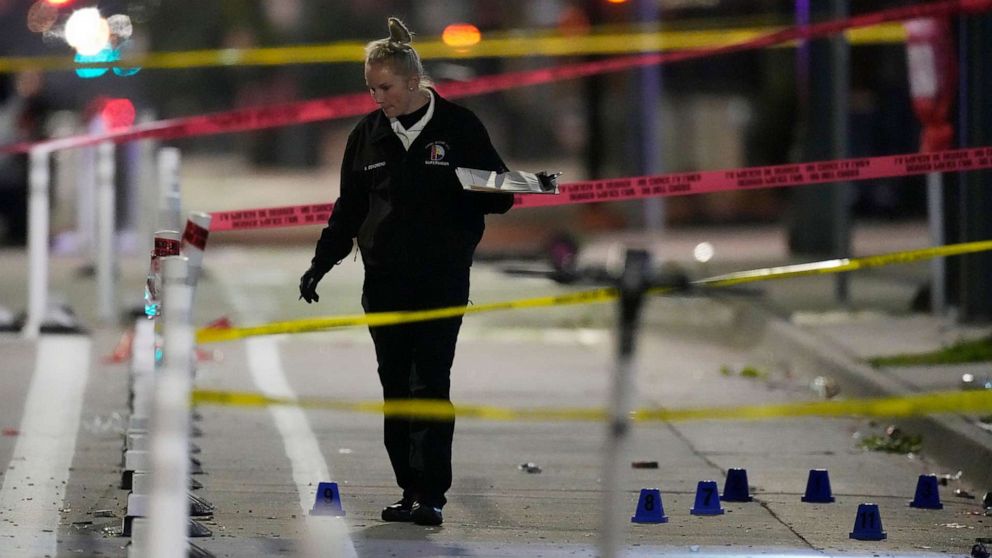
(949, 439)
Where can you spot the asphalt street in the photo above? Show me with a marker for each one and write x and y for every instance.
(261, 466)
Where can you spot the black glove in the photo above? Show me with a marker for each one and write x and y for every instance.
(308, 284)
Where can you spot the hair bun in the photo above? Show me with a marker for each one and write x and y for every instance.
(398, 33)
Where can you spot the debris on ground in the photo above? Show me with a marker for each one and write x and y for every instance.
(644, 465)
(529, 467)
(970, 381)
(744, 372)
(825, 387)
(122, 351)
(103, 513)
(113, 423)
(962, 493)
(946, 478)
(985, 422)
(893, 441)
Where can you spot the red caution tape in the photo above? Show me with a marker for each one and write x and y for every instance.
(356, 104)
(166, 247)
(291, 216)
(775, 176)
(195, 235)
(666, 185)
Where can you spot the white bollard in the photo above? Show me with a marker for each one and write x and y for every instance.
(38, 207)
(139, 538)
(169, 206)
(164, 244)
(142, 367)
(146, 209)
(86, 228)
(195, 242)
(106, 200)
(169, 512)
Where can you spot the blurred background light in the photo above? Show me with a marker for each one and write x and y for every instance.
(703, 252)
(42, 16)
(87, 32)
(117, 113)
(121, 28)
(461, 35)
(105, 55)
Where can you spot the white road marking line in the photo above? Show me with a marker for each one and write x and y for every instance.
(34, 487)
(329, 535)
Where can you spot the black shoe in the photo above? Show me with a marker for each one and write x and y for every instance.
(426, 515)
(400, 511)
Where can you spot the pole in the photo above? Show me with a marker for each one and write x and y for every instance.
(169, 513)
(820, 220)
(840, 58)
(938, 269)
(648, 13)
(106, 224)
(38, 207)
(975, 199)
(633, 284)
(147, 202)
(86, 196)
(169, 205)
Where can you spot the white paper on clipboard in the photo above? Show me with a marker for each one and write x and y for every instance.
(513, 182)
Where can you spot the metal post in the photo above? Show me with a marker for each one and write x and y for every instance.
(169, 205)
(821, 217)
(840, 58)
(593, 93)
(38, 207)
(633, 284)
(938, 269)
(648, 12)
(106, 224)
(975, 198)
(169, 513)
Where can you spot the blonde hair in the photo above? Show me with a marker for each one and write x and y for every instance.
(397, 51)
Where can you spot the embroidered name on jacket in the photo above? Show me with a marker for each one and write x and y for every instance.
(435, 154)
(375, 165)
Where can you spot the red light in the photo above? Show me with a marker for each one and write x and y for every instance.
(58, 2)
(117, 113)
(461, 35)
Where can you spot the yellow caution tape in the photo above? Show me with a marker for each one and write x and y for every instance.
(212, 335)
(372, 319)
(500, 46)
(844, 264)
(959, 402)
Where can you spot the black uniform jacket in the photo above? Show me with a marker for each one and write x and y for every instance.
(406, 207)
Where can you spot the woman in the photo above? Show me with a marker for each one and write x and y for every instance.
(417, 230)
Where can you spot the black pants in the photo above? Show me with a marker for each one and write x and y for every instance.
(415, 363)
